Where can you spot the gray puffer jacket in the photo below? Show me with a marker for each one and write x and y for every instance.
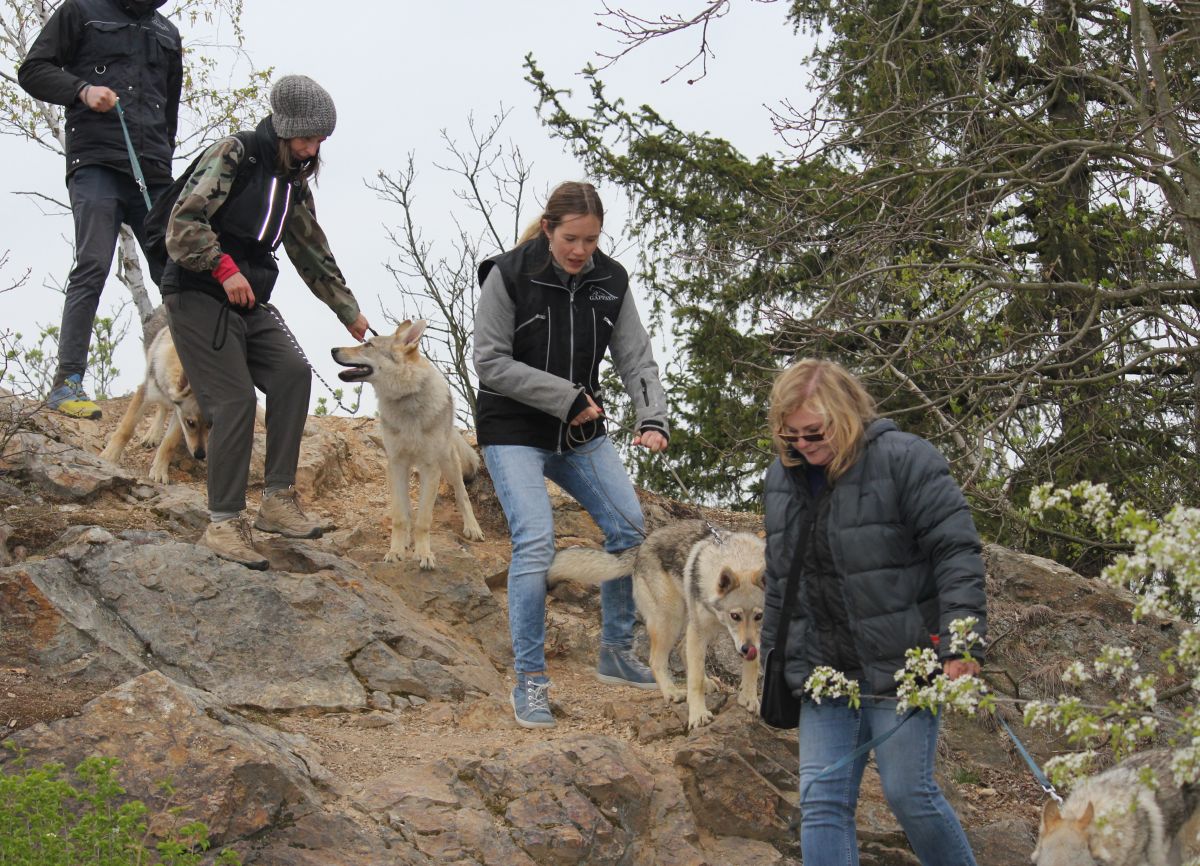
(903, 540)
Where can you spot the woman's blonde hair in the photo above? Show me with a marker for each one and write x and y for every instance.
(830, 390)
(571, 198)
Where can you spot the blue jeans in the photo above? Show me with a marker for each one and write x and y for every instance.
(101, 199)
(829, 731)
(593, 474)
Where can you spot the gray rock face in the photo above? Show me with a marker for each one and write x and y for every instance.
(62, 472)
(273, 640)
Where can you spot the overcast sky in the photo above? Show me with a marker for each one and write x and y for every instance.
(400, 73)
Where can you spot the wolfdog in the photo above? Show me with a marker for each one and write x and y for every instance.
(1131, 815)
(166, 386)
(416, 414)
(687, 574)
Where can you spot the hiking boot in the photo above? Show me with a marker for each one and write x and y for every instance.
(280, 513)
(69, 398)
(232, 540)
(619, 666)
(530, 703)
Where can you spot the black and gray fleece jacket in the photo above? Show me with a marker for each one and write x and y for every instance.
(903, 543)
(540, 335)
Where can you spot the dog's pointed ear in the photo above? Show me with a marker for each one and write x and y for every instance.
(759, 578)
(402, 327)
(178, 385)
(1051, 817)
(413, 334)
(1085, 820)
(725, 582)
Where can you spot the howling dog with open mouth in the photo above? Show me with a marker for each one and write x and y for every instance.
(166, 386)
(687, 574)
(416, 414)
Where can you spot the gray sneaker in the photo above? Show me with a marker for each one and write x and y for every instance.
(530, 703)
(620, 667)
(231, 539)
(280, 513)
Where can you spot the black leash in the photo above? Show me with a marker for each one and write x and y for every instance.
(296, 345)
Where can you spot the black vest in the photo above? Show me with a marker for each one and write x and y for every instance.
(251, 222)
(563, 330)
(133, 57)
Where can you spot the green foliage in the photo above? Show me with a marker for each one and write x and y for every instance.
(322, 407)
(45, 820)
(980, 215)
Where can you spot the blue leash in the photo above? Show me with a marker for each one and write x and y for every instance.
(854, 756)
(1033, 767)
(133, 160)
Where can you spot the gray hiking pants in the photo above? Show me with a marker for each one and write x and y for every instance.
(227, 353)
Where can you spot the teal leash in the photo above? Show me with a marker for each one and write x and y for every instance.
(1033, 767)
(133, 160)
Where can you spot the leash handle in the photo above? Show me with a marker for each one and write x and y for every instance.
(133, 160)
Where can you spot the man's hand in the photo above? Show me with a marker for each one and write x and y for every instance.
(955, 668)
(358, 328)
(97, 97)
(652, 440)
(238, 290)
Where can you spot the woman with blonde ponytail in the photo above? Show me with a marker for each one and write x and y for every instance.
(548, 311)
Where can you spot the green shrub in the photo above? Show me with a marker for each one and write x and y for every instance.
(47, 821)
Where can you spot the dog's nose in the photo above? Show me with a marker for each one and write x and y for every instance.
(749, 652)
(199, 454)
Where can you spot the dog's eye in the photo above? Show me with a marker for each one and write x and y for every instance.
(736, 616)
(758, 616)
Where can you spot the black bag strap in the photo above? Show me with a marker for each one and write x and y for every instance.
(789, 591)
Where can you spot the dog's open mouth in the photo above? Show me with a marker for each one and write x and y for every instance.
(355, 372)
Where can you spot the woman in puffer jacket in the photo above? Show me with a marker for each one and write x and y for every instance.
(888, 558)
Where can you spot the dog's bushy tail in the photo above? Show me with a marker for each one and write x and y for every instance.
(468, 457)
(591, 566)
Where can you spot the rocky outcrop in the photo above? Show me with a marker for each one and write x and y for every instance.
(340, 709)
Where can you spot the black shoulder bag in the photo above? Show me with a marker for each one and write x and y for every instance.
(779, 707)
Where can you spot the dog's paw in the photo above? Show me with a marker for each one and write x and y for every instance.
(393, 555)
(150, 441)
(675, 694)
(749, 701)
(428, 562)
(159, 474)
(111, 455)
(473, 533)
(698, 718)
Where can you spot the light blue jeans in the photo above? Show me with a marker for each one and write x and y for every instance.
(594, 475)
(829, 731)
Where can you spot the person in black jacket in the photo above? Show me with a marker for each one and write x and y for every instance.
(888, 557)
(548, 311)
(90, 55)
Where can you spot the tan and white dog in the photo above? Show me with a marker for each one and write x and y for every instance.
(416, 415)
(166, 387)
(687, 576)
(1133, 814)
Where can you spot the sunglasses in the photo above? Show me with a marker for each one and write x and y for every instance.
(796, 437)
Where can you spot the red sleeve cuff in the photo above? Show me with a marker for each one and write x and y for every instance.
(225, 268)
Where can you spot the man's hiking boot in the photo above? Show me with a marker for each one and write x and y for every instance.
(232, 540)
(530, 703)
(69, 398)
(280, 513)
(619, 666)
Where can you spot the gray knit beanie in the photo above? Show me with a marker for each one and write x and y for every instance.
(301, 108)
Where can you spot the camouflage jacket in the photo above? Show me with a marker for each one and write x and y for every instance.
(193, 241)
